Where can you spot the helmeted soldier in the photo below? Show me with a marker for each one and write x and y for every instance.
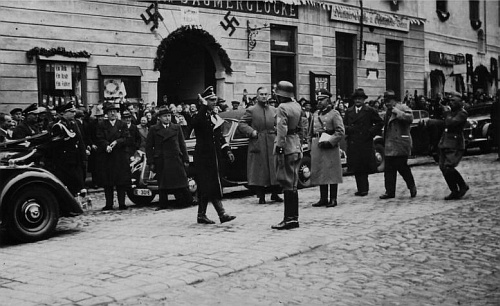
(288, 152)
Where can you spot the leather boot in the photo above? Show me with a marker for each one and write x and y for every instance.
(323, 192)
(449, 177)
(223, 217)
(333, 195)
(463, 187)
(120, 194)
(276, 190)
(108, 194)
(259, 190)
(202, 212)
(291, 212)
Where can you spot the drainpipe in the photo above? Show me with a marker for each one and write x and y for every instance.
(485, 27)
(361, 26)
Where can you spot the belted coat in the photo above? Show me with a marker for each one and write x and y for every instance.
(260, 160)
(452, 142)
(360, 129)
(210, 150)
(113, 169)
(397, 136)
(166, 149)
(326, 165)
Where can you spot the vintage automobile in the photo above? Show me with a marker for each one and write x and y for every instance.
(31, 198)
(145, 187)
(478, 131)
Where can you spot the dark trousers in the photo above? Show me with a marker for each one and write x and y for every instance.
(453, 179)
(260, 191)
(393, 165)
(182, 195)
(362, 182)
(323, 191)
(120, 194)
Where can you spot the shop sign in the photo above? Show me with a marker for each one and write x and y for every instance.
(62, 77)
(275, 8)
(445, 59)
(370, 18)
(190, 16)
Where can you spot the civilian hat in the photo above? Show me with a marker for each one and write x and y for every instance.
(15, 110)
(359, 92)
(68, 107)
(235, 102)
(323, 93)
(164, 110)
(389, 94)
(110, 106)
(209, 93)
(285, 89)
(126, 114)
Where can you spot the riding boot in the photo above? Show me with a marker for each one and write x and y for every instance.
(323, 196)
(120, 193)
(108, 194)
(202, 211)
(290, 219)
(223, 217)
(463, 187)
(259, 190)
(450, 178)
(276, 190)
(333, 195)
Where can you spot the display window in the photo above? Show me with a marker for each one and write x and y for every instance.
(61, 82)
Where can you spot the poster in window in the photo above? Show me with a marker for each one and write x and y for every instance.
(372, 74)
(62, 77)
(371, 52)
(114, 88)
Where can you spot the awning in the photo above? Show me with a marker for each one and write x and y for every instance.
(107, 70)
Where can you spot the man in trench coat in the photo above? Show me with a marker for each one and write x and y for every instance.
(362, 123)
(326, 131)
(258, 123)
(397, 145)
(167, 156)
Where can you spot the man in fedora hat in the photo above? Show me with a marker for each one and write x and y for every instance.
(112, 163)
(17, 115)
(210, 149)
(67, 154)
(362, 123)
(29, 126)
(167, 156)
(398, 144)
(235, 104)
(258, 123)
(288, 152)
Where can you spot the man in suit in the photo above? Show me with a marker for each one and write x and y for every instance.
(17, 115)
(6, 124)
(167, 156)
(134, 139)
(361, 123)
(258, 123)
(288, 152)
(397, 145)
(210, 148)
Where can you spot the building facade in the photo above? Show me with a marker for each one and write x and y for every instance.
(169, 51)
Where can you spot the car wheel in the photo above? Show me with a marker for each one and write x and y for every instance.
(140, 200)
(33, 214)
(305, 172)
(379, 157)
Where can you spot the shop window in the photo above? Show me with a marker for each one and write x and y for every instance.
(393, 65)
(120, 83)
(283, 46)
(60, 82)
(345, 55)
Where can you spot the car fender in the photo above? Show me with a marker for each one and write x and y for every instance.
(485, 131)
(29, 176)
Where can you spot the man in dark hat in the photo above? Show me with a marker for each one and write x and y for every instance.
(397, 145)
(17, 115)
(134, 139)
(288, 152)
(167, 156)
(258, 123)
(67, 153)
(362, 123)
(235, 104)
(211, 148)
(29, 126)
(112, 163)
(326, 132)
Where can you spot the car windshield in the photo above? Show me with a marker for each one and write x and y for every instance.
(479, 110)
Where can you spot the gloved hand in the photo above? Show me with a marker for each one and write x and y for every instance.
(254, 134)
(325, 145)
(230, 155)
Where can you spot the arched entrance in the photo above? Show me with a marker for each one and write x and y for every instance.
(189, 60)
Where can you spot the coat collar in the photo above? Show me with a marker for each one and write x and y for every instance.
(166, 133)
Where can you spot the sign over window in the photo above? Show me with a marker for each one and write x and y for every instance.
(62, 77)
(370, 18)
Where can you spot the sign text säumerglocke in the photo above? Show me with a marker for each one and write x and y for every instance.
(370, 18)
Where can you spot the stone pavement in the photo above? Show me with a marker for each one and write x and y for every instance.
(403, 251)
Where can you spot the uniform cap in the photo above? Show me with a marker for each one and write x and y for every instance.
(110, 106)
(68, 107)
(323, 93)
(208, 93)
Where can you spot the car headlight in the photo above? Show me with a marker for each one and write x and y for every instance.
(473, 124)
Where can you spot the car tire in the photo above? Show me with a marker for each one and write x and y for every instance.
(380, 157)
(140, 200)
(32, 215)
(305, 172)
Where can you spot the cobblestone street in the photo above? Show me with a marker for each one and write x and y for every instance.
(366, 251)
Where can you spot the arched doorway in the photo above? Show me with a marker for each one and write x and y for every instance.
(189, 60)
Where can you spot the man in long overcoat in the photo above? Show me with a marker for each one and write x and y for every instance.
(167, 156)
(362, 123)
(134, 139)
(326, 132)
(258, 123)
(398, 144)
(112, 164)
(288, 152)
(210, 148)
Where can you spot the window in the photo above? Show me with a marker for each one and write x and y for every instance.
(442, 5)
(283, 54)
(345, 54)
(117, 83)
(60, 82)
(474, 9)
(393, 65)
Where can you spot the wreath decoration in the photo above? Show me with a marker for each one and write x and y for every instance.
(195, 36)
(54, 51)
(443, 16)
(475, 24)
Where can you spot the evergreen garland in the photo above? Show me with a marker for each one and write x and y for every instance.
(55, 51)
(193, 35)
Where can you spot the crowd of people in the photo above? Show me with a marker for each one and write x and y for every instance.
(103, 140)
